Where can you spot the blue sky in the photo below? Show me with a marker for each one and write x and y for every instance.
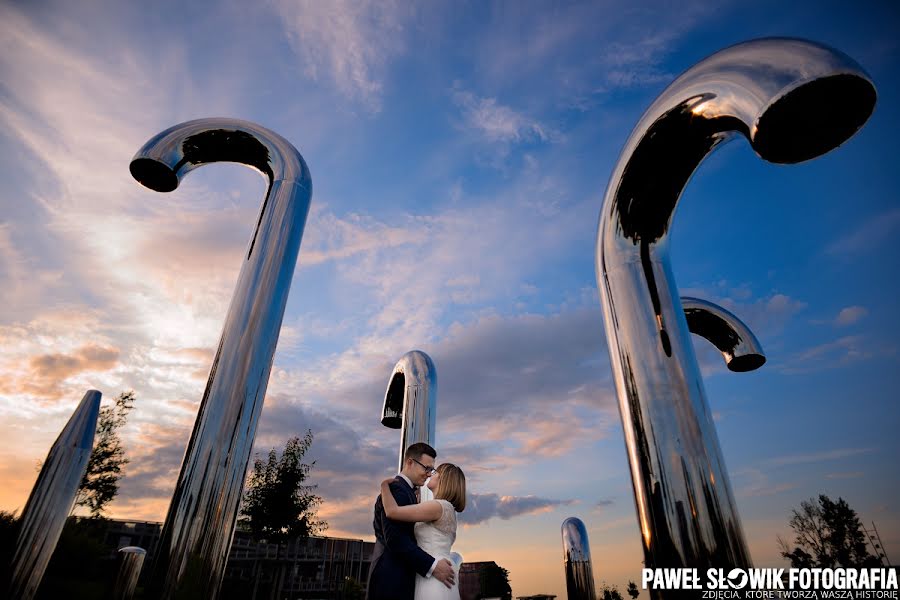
(459, 154)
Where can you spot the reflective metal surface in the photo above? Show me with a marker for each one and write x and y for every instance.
(410, 402)
(739, 347)
(577, 557)
(53, 497)
(793, 100)
(130, 559)
(195, 539)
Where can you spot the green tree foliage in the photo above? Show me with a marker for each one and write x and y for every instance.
(827, 534)
(278, 506)
(100, 483)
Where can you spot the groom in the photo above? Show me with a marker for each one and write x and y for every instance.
(397, 558)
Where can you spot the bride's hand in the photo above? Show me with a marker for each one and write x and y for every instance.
(387, 482)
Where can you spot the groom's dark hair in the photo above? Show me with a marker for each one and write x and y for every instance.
(416, 451)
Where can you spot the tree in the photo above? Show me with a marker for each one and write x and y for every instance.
(100, 483)
(278, 507)
(827, 534)
(495, 582)
(9, 532)
(352, 589)
(633, 590)
(608, 592)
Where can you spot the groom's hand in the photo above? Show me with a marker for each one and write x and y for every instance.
(443, 572)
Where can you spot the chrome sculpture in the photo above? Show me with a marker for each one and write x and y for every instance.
(577, 557)
(131, 560)
(53, 497)
(793, 100)
(740, 349)
(196, 536)
(410, 402)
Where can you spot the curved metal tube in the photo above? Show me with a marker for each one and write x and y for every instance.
(577, 557)
(410, 402)
(52, 497)
(793, 100)
(739, 347)
(131, 560)
(196, 537)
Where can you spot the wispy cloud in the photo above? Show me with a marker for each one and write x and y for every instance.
(351, 43)
(866, 235)
(817, 457)
(846, 475)
(498, 122)
(772, 479)
(828, 355)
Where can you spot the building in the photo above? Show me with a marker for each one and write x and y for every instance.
(482, 581)
(314, 567)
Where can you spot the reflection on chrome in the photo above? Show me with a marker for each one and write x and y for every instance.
(410, 402)
(577, 556)
(193, 547)
(793, 100)
(131, 559)
(739, 347)
(53, 497)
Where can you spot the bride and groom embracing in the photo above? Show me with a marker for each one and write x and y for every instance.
(412, 541)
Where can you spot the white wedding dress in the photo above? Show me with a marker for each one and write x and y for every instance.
(436, 538)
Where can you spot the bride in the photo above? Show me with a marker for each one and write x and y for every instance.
(435, 524)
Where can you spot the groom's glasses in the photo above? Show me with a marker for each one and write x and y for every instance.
(429, 470)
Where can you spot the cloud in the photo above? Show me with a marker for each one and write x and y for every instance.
(866, 236)
(481, 507)
(817, 457)
(829, 355)
(753, 483)
(89, 357)
(766, 315)
(850, 315)
(332, 238)
(47, 359)
(757, 482)
(351, 43)
(629, 41)
(556, 379)
(845, 475)
(500, 123)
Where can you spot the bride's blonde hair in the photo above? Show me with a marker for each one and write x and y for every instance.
(451, 486)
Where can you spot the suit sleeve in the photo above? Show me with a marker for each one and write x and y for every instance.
(398, 540)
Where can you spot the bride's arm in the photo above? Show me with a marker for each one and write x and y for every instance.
(427, 511)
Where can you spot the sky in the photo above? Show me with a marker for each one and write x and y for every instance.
(459, 154)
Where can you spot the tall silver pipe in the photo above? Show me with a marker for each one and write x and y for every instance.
(53, 497)
(196, 536)
(793, 100)
(131, 560)
(740, 349)
(577, 557)
(410, 402)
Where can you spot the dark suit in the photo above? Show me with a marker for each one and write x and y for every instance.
(396, 558)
